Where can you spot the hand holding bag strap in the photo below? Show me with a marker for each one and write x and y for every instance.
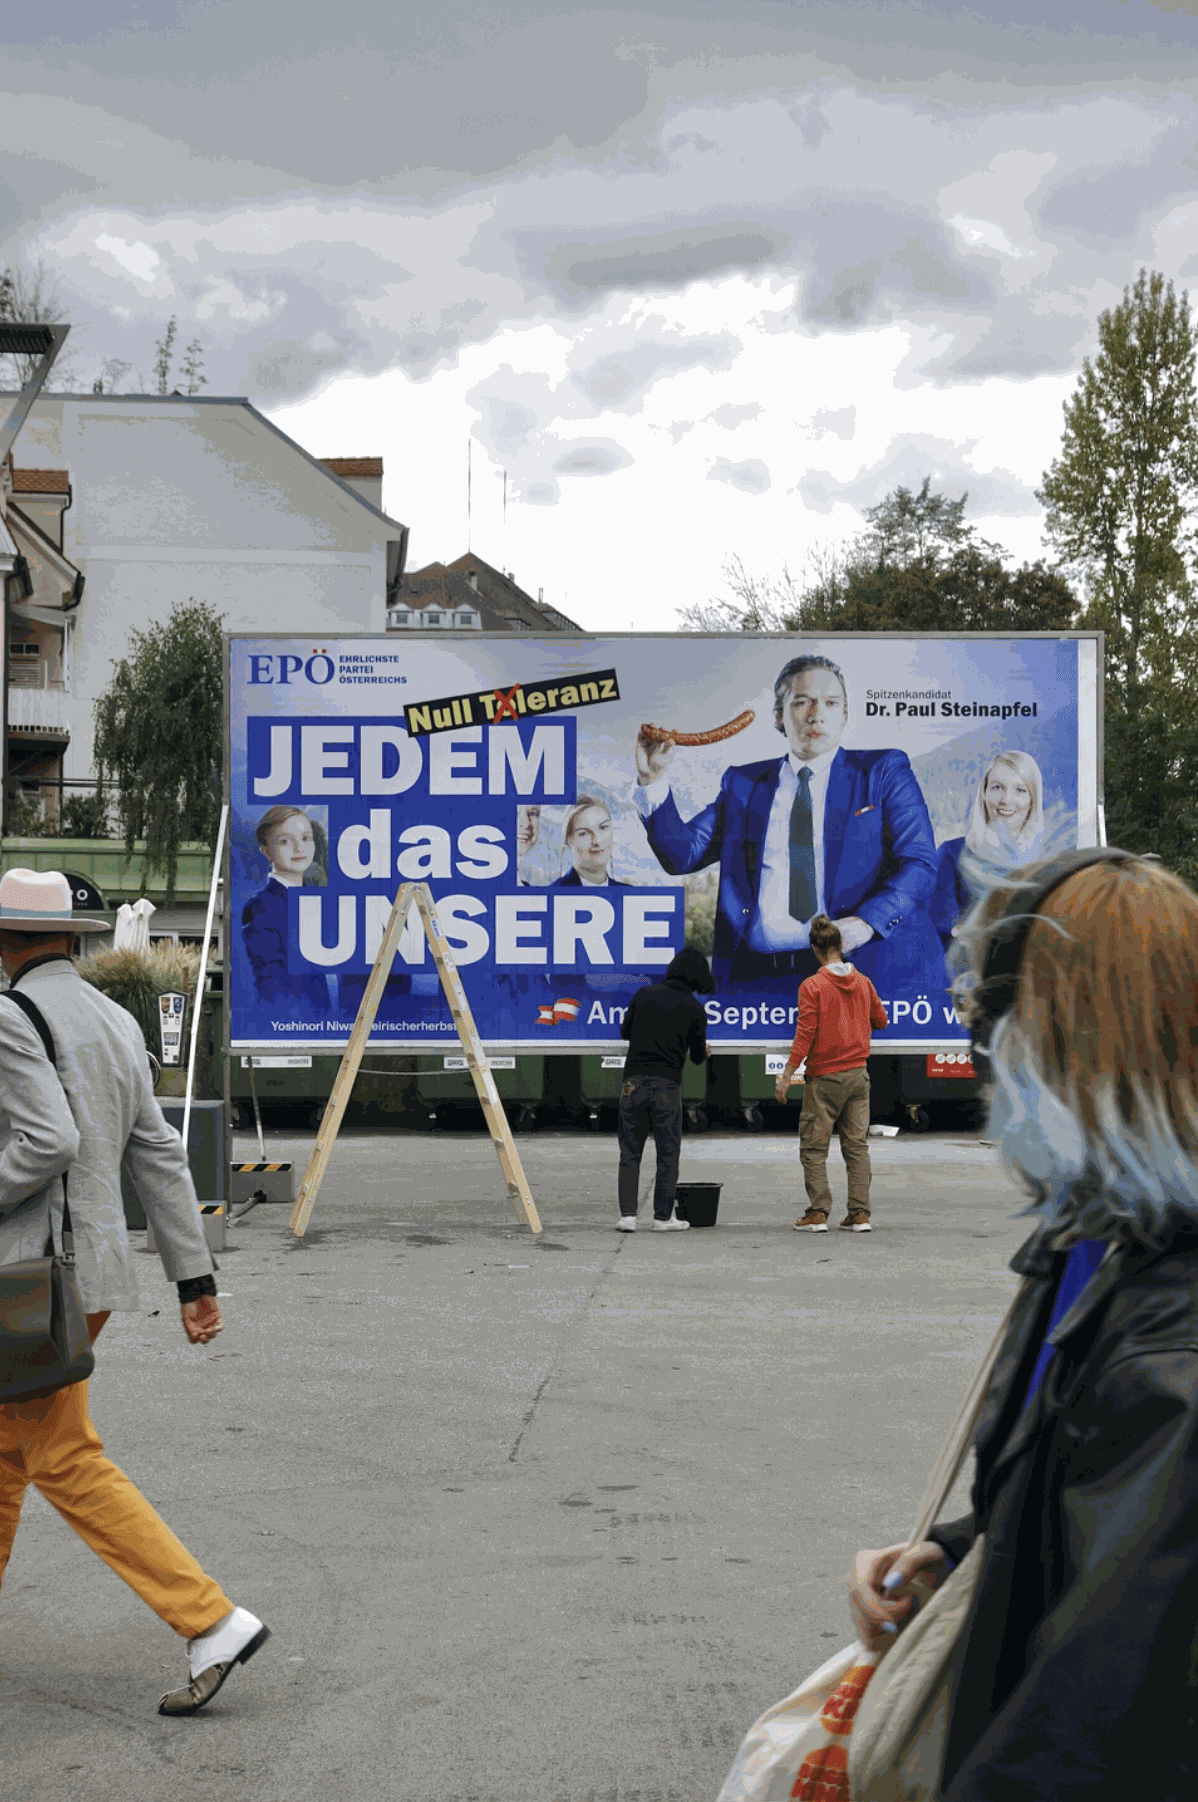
(37, 1020)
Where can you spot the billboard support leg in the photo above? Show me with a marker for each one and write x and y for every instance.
(476, 1059)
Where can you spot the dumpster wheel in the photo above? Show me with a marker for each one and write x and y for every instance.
(918, 1117)
(696, 1119)
(753, 1118)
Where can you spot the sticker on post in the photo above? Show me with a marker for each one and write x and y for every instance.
(493, 1063)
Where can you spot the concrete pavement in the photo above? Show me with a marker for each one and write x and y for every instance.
(533, 1520)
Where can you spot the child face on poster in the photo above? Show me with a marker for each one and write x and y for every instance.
(288, 842)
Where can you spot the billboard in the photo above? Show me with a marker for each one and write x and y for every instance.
(583, 806)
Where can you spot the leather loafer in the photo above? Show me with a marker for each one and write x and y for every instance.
(212, 1656)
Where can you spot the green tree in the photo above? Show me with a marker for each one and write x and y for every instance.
(1120, 496)
(918, 567)
(193, 363)
(1120, 501)
(164, 351)
(159, 736)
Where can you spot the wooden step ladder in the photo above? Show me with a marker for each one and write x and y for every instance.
(419, 895)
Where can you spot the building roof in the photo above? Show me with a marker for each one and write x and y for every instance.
(354, 468)
(436, 586)
(508, 598)
(40, 481)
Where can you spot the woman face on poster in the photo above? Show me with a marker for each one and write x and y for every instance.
(288, 842)
(1007, 798)
(1008, 809)
(588, 839)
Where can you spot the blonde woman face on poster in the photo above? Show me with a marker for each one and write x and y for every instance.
(1006, 797)
(589, 841)
(1008, 810)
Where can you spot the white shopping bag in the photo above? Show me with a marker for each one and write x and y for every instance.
(797, 1751)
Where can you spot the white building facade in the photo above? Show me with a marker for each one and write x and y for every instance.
(173, 499)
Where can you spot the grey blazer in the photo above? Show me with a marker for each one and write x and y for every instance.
(97, 1107)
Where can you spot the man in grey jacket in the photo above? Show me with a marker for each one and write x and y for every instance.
(75, 1118)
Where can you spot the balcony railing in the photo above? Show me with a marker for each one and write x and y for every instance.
(39, 709)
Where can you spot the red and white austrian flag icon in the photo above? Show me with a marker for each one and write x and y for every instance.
(565, 1009)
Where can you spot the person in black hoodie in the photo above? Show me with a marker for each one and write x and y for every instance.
(663, 1023)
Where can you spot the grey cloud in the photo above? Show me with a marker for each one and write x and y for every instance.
(529, 228)
(540, 494)
(841, 420)
(908, 460)
(287, 367)
(661, 260)
(508, 425)
(615, 379)
(594, 459)
(751, 476)
(730, 416)
(851, 293)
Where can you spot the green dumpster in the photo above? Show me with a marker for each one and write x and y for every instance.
(444, 1081)
(601, 1079)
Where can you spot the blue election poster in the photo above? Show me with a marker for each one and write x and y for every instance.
(581, 807)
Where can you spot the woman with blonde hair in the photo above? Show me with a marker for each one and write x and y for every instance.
(1006, 831)
(1075, 1673)
(587, 840)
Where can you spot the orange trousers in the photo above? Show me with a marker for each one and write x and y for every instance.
(53, 1445)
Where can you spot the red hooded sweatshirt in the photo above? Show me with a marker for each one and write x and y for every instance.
(837, 1008)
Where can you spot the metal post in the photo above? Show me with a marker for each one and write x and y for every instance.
(202, 974)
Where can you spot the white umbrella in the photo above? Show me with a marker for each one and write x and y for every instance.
(132, 930)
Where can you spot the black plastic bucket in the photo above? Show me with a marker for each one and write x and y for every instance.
(697, 1202)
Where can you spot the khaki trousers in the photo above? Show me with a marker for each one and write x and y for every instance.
(837, 1104)
(53, 1445)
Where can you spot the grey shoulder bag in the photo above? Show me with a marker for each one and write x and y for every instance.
(44, 1342)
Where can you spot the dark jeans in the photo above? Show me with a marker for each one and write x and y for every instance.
(650, 1104)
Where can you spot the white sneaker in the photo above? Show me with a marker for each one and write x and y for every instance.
(672, 1225)
(626, 1223)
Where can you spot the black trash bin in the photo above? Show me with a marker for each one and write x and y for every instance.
(697, 1202)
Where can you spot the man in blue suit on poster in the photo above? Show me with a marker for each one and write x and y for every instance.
(821, 830)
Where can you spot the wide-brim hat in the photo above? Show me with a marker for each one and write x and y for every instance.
(40, 901)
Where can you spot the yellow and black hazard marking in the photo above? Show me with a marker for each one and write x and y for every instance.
(255, 1168)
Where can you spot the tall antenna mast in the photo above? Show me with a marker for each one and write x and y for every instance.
(469, 455)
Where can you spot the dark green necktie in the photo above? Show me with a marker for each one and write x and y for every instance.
(803, 897)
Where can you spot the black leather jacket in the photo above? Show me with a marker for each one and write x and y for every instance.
(1080, 1671)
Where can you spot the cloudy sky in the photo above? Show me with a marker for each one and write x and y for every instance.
(705, 279)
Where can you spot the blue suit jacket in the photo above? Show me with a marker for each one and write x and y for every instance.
(879, 861)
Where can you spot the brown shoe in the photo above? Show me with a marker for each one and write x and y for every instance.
(812, 1222)
(856, 1221)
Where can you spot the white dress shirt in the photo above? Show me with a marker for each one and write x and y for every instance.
(771, 928)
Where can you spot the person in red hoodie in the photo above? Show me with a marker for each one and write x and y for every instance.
(837, 1009)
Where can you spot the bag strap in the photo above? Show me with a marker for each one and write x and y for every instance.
(37, 1020)
(960, 1438)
